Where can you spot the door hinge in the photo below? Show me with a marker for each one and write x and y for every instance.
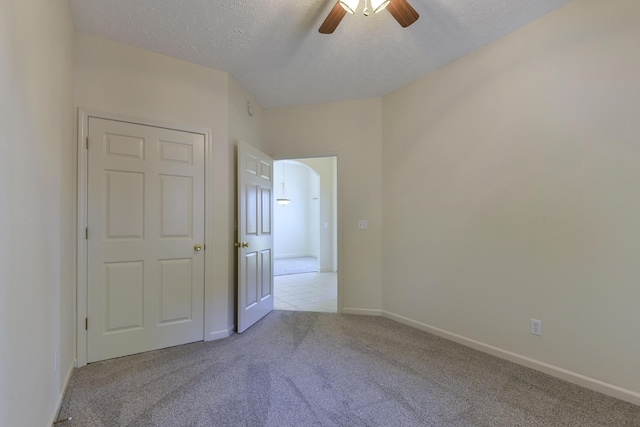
(86, 233)
(87, 141)
(86, 323)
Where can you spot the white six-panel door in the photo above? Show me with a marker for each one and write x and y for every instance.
(145, 274)
(255, 234)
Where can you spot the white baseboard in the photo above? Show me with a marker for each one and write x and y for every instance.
(360, 311)
(218, 335)
(325, 270)
(570, 376)
(67, 378)
(301, 255)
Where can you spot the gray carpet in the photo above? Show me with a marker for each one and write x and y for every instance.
(319, 369)
(284, 266)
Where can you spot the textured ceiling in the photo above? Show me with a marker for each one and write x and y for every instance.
(273, 49)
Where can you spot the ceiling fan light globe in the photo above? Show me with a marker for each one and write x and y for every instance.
(283, 202)
(379, 5)
(350, 5)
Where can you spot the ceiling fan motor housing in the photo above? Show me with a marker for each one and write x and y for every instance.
(401, 10)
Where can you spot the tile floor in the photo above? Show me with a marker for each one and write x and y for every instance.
(307, 292)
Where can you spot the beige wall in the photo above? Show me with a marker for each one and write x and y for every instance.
(352, 130)
(36, 208)
(511, 191)
(242, 126)
(123, 80)
(509, 180)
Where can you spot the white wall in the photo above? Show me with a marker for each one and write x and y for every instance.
(352, 130)
(315, 206)
(313, 225)
(291, 223)
(124, 80)
(511, 191)
(36, 208)
(326, 169)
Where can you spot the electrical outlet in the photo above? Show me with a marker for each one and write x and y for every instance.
(536, 327)
(363, 224)
(56, 361)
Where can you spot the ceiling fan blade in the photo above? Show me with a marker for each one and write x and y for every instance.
(335, 16)
(403, 12)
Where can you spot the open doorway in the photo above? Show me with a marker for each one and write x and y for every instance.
(305, 234)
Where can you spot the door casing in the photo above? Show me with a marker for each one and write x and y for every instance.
(80, 296)
(337, 220)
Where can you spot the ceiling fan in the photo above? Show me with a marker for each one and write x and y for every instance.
(401, 10)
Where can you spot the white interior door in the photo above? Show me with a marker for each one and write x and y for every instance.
(145, 215)
(255, 235)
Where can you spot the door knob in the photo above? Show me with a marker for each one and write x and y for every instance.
(245, 244)
(197, 247)
(241, 245)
